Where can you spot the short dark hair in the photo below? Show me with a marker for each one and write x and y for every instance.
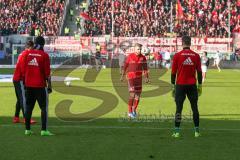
(205, 53)
(40, 41)
(29, 44)
(186, 40)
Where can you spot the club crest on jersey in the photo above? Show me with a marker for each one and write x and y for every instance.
(188, 61)
(33, 62)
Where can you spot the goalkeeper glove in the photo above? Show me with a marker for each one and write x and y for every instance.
(173, 90)
(199, 89)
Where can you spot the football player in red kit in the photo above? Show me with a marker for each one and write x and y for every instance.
(36, 71)
(186, 65)
(135, 65)
(19, 86)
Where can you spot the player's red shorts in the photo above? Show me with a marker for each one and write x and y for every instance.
(135, 85)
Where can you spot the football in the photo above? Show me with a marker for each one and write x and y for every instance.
(68, 83)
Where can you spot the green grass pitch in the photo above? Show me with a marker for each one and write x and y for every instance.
(112, 136)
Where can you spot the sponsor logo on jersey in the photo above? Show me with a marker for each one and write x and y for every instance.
(188, 61)
(33, 62)
(35, 54)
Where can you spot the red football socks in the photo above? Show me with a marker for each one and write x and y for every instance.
(130, 104)
(135, 104)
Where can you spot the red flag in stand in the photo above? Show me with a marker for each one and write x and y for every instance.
(179, 10)
(87, 17)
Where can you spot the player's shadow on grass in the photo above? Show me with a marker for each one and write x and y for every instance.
(206, 124)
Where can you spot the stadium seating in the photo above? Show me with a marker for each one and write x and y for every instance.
(153, 17)
(132, 18)
(25, 16)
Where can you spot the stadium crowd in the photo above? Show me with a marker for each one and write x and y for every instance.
(153, 17)
(132, 18)
(31, 16)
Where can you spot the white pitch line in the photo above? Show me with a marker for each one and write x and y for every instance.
(119, 127)
(236, 70)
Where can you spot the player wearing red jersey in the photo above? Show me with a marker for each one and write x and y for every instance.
(36, 71)
(135, 65)
(19, 86)
(186, 64)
